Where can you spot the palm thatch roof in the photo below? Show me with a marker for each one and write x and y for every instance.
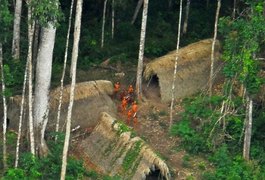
(115, 151)
(91, 98)
(192, 71)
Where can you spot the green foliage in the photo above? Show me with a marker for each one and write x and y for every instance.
(232, 167)
(122, 128)
(6, 19)
(131, 156)
(14, 76)
(244, 38)
(46, 11)
(48, 167)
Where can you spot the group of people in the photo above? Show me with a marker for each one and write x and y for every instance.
(128, 105)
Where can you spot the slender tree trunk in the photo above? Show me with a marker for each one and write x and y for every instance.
(72, 90)
(43, 80)
(141, 51)
(112, 19)
(248, 128)
(103, 24)
(137, 9)
(30, 99)
(16, 30)
(207, 4)
(185, 25)
(213, 47)
(21, 115)
(64, 68)
(5, 108)
(234, 10)
(175, 68)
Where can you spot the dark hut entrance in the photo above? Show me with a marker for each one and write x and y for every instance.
(155, 175)
(152, 89)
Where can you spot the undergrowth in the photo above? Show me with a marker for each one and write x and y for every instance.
(203, 133)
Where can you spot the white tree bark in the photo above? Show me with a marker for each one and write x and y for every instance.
(16, 30)
(112, 19)
(234, 10)
(175, 68)
(30, 99)
(42, 86)
(137, 9)
(213, 47)
(103, 24)
(185, 25)
(21, 115)
(72, 90)
(64, 68)
(141, 51)
(5, 108)
(248, 128)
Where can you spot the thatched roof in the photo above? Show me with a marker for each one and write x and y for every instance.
(91, 98)
(192, 71)
(108, 148)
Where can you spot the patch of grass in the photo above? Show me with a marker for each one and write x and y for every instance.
(154, 116)
(163, 125)
(162, 156)
(163, 113)
(186, 161)
(123, 128)
(131, 155)
(202, 165)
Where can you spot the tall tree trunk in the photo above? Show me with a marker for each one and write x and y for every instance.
(248, 128)
(30, 99)
(103, 24)
(234, 10)
(64, 67)
(5, 108)
(141, 51)
(112, 19)
(16, 30)
(43, 80)
(185, 25)
(175, 68)
(72, 90)
(137, 9)
(21, 115)
(213, 47)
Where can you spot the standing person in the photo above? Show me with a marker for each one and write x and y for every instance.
(130, 93)
(135, 110)
(135, 121)
(117, 87)
(129, 116)
(124, 105)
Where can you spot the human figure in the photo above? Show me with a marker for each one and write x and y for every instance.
(124, 104)
(134, 107)
(123, 94)
(135, 121)
(130, 89)
(129, 116)
(116, 88)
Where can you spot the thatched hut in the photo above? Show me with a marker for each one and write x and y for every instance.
(192, 71)
(114, 151)
(91, 98)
